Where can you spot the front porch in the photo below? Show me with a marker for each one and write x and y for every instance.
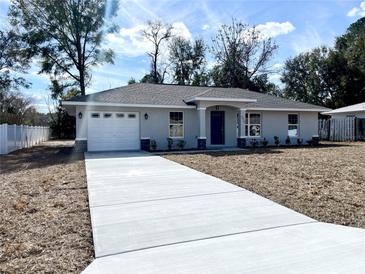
(222, 126)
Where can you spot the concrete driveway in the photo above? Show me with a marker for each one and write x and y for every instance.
(152, 215)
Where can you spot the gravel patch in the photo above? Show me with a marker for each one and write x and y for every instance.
(45, 223)
(326, 183)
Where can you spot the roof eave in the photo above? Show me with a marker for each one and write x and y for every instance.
(78, 103)
(288, 109)
(221, 99)
(343, 111)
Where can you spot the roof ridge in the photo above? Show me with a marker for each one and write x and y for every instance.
(203, 92)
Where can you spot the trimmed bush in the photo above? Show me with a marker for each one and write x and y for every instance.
(153, 144)
(276, 141)
(264, 142)
(254, 143)
(170, 142)
(181, 144)
(287, 140)
(299, 142)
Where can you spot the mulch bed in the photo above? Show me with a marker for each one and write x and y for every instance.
(45, 223)
(326, 183)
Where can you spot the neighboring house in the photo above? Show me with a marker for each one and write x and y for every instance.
(127, 118)
(357, 110)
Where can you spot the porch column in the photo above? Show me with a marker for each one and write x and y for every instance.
(202, 139)
(241, 139)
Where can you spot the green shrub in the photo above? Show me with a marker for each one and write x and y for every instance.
(287, 140)
(276, 141)
(181, 144)
(254, 143)
(170, 142)
(265, 142)
(299, 142)
(153, 144)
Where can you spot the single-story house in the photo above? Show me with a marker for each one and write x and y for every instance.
(130, 117)
(357, 110)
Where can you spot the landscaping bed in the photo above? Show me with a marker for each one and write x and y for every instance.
(326, 182)
(45, 223)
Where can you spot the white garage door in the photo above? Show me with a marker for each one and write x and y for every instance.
(109, 131)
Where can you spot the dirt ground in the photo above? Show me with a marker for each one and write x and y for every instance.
(326, 183)
(45, 223)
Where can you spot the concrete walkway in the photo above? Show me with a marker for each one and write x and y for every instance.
(152, 215)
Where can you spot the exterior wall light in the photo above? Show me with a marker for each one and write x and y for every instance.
(80, 115)
(146, 116)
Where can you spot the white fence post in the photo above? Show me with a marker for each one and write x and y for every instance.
(4, 139)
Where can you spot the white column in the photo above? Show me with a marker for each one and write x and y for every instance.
(202, 131)
(241, 123)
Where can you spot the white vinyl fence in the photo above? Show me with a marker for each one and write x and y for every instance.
(14, 137)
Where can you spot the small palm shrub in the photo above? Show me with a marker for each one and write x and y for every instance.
(254, 143)
(299, 142)
(181, 144)
(276, 141)
(170, 142)
(153, 144)
(264, 142)
(287, 140)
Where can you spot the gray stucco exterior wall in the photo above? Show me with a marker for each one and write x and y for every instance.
(156, 127)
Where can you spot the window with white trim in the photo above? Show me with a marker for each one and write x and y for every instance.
(293, 125)
(176, 124)
(95, 115)
(253, 124)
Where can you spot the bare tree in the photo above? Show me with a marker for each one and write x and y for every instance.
(157, 32)
(241, 52)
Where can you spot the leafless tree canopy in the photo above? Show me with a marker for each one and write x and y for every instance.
(241, 52)
(157, 32)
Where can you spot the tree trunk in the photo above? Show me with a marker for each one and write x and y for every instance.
(155, 74)
(82, 81)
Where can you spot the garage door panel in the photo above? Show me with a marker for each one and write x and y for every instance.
(113, 133)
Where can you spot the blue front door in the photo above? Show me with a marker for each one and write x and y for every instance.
(217, 127)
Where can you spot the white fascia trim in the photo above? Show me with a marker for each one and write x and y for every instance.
(289, 109)
(215, 99)
(75, 103)
(341, 112)
(81, 139)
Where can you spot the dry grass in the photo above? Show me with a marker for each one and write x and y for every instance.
(326, 183)
(45, 224)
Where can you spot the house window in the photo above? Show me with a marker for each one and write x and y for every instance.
(253, 124)
(293, 125)
(176, 124)
(95, 115)
(107, 115)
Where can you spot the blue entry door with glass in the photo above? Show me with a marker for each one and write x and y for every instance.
(217, 127)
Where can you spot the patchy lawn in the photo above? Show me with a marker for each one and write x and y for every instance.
(45, 223)
(326, 183)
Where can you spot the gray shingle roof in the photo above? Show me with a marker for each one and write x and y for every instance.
(175, 95)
